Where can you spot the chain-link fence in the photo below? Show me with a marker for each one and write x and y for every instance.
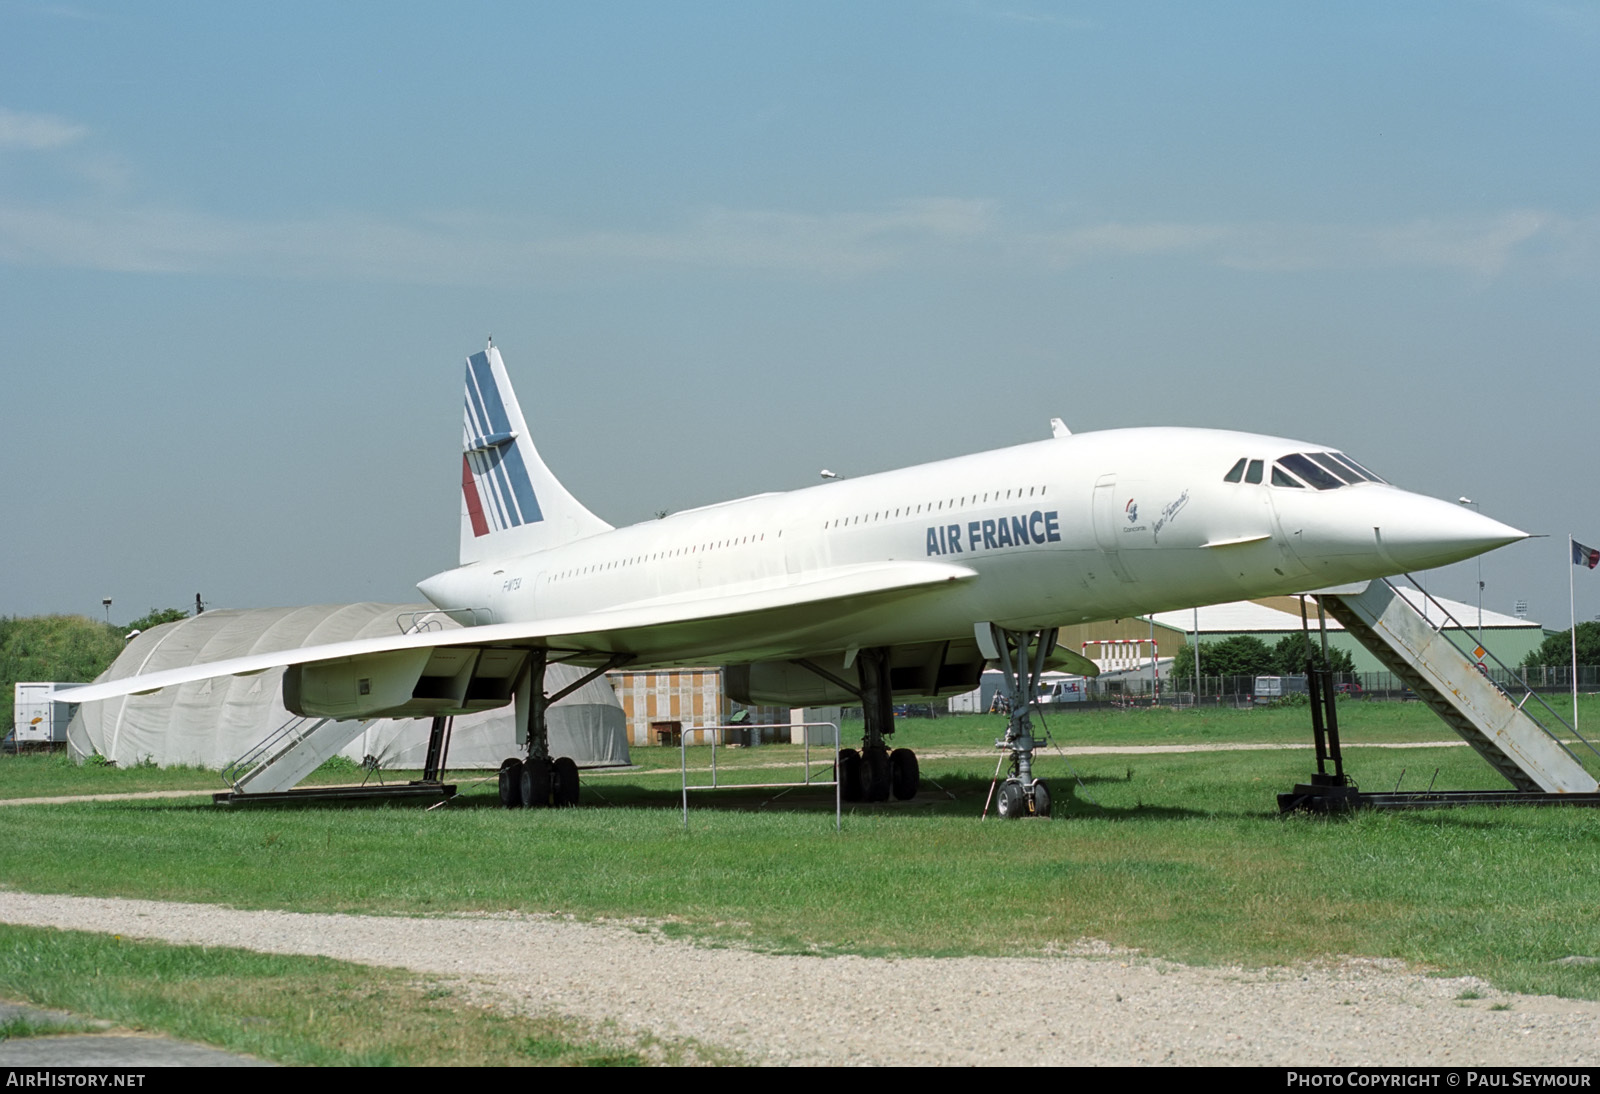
(1253, 690)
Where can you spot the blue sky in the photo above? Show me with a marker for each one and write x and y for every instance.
(244, 250)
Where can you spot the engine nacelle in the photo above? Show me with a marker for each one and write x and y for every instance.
(420, 683)
(353, 687)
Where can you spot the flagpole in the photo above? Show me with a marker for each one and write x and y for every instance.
(1572, 607)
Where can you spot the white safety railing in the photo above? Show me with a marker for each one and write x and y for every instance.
(713, 732)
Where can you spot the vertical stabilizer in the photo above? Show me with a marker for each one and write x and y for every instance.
(510, 502)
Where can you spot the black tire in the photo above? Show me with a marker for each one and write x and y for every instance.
(1013, 801)
(511, 783)
(904, 775)
(536, 782)
(875, 772)
(565, 777)
(848, 772)
(1041, 798)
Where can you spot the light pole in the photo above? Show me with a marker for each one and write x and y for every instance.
(1479, 510)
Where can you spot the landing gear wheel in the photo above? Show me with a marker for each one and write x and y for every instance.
(536, 780)
(848, 772)
(511, 783)
(1013, 801)
(1041, 798)
(904, 776)
(876, 762)
(565, 778)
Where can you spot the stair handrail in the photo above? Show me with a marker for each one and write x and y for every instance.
(1515, 674)
(239, 769)
(427, 620)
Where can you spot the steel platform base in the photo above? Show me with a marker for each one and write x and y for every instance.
(1308, 798)
(338, 793)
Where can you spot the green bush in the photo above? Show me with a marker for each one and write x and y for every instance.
(52, 647)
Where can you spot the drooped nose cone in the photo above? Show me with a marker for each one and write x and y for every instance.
(1384, 530)
(1423, 532)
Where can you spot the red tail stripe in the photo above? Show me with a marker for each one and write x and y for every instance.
(469, 490)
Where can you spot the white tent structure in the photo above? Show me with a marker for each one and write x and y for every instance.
(211, 723)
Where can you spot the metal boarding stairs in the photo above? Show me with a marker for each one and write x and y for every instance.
(295, 749)
(1534, 753)
(271, 770)
(288, 754)
(300, 746)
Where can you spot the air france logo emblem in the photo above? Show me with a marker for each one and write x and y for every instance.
(1132, 509)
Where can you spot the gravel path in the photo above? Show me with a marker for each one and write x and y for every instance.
(1091, 1006)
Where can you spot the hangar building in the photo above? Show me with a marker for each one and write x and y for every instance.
(211, 723)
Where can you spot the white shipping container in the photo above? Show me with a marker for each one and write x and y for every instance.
(38, 717)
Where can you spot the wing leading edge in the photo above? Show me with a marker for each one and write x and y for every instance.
(474, 668)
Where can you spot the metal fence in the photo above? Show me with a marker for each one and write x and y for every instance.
(1241, 690)
(810, 776)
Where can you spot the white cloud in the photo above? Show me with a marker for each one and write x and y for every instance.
(36, 131)
(1482, 246)
(1116, 239)
(466, 249)
(830, 243)
(922, 234)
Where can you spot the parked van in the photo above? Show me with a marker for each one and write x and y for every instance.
(1269, 689)
(1062, 691)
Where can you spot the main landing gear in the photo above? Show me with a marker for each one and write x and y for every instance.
(876, 772)
(538, 781)
(1021, 656)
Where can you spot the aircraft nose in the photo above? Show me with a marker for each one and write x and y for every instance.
(1418, 533)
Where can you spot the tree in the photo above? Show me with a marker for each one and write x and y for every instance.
(1290, 654)
(1556, 650)
(1240, 655)
(157, 617)
(52, 647)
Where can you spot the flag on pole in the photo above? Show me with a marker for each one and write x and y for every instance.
(1587, 557)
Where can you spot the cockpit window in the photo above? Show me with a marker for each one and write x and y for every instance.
(1323, 470)
(1337, 469)
(1342, 458)
(1310, 472)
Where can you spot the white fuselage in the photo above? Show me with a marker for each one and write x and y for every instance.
(1068, 530)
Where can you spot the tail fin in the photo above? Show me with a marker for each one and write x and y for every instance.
(510, 502)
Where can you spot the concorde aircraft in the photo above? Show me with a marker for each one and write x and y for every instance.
(895, 586)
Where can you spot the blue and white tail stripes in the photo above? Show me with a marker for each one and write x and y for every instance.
(510, 502)
(494, 477)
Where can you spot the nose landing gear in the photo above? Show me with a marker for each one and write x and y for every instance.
(1021, 656)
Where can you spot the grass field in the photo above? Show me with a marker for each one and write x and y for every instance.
(294, 1010)
(1182, 855)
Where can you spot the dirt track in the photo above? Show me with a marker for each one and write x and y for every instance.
(1092, 1006)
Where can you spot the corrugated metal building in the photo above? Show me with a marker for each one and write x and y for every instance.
(692, 697)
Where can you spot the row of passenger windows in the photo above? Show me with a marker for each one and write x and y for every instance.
(1323, 470)
(886, 514)
(657, 556)
(935, 506)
